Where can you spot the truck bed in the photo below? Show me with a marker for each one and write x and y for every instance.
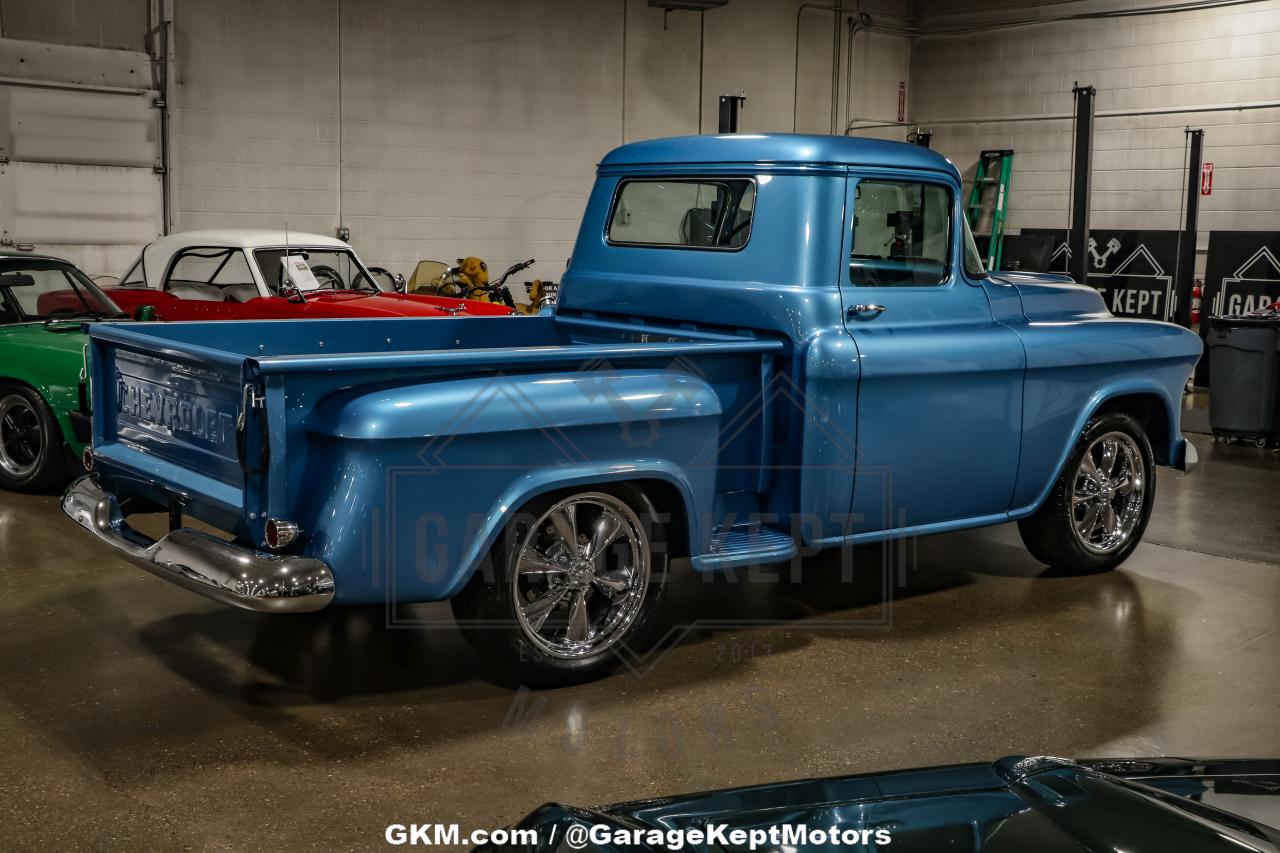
(223, 417)
(329, 344)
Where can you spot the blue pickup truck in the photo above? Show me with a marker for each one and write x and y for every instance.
(763, 344)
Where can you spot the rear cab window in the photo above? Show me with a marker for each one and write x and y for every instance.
(684, 213)
(901, 234)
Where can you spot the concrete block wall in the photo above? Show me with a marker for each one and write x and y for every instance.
(435, 128)
(442, 129)
(255, 118)
(471, 129)
(1151, 64)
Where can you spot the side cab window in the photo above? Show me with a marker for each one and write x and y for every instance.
(901, 234)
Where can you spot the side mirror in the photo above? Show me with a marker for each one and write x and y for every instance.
(290, 292)
(400, 284)
(144, 313)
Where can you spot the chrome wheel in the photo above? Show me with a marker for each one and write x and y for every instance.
(21, 436)
(581, 575)
(1107, 494)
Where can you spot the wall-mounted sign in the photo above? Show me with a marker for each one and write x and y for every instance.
(1242, 274)
(1133, 270)
(1243, 271)
(902, 101)
(1206, 179)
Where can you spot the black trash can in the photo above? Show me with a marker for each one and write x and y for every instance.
(1244, 376)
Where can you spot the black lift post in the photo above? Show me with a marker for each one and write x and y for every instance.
(729, 107)
(1081, 183)
(1186, 268)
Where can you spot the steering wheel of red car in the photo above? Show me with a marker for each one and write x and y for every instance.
(328, 278)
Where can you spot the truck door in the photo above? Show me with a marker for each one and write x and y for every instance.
(940, 394)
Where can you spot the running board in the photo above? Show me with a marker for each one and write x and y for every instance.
(745, 545)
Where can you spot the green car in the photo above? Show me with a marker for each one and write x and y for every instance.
(43, 404)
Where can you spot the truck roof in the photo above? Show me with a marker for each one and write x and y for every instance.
(788, 148)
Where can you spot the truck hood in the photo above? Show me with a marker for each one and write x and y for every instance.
(1050, 296)
(1045, 804)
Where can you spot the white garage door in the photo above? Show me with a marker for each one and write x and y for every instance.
(77, 172)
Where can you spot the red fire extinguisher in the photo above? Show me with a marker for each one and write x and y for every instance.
(1196, 292)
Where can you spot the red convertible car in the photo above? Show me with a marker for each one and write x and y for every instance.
(267, 275)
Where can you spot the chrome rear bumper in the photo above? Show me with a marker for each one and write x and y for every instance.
(223, 571)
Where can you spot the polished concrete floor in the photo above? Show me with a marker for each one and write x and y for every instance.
(136, 716)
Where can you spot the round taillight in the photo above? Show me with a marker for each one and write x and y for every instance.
(86, 458)
(279, 533)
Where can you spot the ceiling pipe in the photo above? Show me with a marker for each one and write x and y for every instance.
(1157, 9)
(857, 23)
(865, 23)
(866, 124)
(795, 97)
(835, 64)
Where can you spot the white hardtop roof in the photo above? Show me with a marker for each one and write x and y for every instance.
(157, 253)
(246, 238)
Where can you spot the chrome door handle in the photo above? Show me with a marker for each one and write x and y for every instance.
(870, 308)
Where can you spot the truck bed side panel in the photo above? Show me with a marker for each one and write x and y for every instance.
(424, 477)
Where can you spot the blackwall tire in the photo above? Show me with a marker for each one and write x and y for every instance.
(547, 617)
(1099, 507)
(31, 444)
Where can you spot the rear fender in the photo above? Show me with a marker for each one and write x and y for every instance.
(447, 463)
(692, 494)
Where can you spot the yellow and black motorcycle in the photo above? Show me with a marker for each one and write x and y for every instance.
(468, 280)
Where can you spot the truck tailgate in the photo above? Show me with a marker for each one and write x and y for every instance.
(170, 413)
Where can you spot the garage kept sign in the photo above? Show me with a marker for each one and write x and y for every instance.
(1242, 274)
(1133, 270)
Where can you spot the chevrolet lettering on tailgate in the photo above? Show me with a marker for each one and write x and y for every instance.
(163, 398)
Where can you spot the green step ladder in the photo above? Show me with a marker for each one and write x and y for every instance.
(994, 170)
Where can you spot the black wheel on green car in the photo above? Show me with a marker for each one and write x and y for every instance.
(31, 457)
(571, 586)
(1099, 508)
